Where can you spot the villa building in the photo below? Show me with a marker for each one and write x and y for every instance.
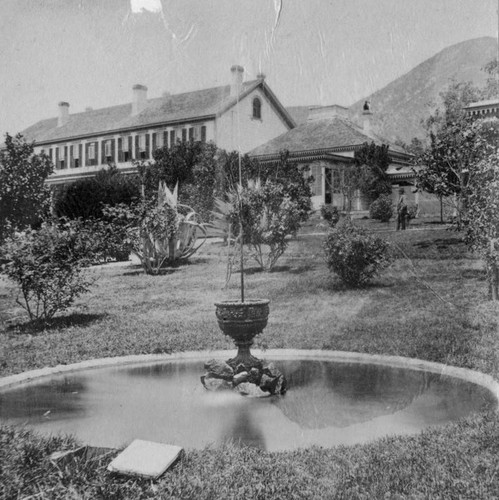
(326, 142)
(239, 116)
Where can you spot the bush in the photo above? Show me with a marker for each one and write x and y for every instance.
(85, 198)
(103, 240)
(382, 208)
(48, 265)
(330, 214)
(268, 217)
(355, 255)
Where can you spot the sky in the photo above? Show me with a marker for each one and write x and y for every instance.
(91, 52)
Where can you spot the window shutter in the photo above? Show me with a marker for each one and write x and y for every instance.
(71, 156)
(87, 159)
(57, 161)
(154, 142)
(66, 157)
(120, 149)
(130, 146)
(165, 138)
(148, 145)
(50, 155)
(113, 150)
(172, 138)
(137, 150)
(96, 154)
(203, 133)
(80, 152)
(191, 133)
(103, 152)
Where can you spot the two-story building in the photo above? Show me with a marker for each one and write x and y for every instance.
(238, 116)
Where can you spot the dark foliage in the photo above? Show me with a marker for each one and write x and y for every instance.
(85, 198)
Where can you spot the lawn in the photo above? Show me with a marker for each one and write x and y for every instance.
(430, 304)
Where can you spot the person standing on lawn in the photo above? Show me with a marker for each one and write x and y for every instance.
(401, 210)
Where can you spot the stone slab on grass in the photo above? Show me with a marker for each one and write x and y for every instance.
(145, 459)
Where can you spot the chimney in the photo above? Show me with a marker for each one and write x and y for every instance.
(139, 101)
(237, 80)
(261, 76)
(366, 117)
(63, 114)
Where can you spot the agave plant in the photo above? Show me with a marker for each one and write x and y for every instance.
(163, 231)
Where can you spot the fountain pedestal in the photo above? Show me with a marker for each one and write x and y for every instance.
(242, 321)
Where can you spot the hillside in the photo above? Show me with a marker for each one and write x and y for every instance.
(400, 107)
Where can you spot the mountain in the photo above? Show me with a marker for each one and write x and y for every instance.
(399, 108)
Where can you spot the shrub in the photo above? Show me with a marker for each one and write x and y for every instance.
(381, 208)
(102, 240)
(330, 214)
(268, 215)
(48, 266)
(355, 255)
(85, 198)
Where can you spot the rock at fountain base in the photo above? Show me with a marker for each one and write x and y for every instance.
(254, 381)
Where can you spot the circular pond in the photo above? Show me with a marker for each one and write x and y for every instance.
(329, 402)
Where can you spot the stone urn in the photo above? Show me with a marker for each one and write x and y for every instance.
(242, 321)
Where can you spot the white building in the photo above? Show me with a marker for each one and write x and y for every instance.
(239, 116)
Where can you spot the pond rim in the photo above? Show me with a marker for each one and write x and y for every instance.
(466, 374)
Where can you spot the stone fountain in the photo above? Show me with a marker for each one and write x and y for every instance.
(244, 373)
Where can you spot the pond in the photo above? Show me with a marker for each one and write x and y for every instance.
(328, 403)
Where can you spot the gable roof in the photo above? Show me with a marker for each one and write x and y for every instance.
(166, 110)
(327, 134)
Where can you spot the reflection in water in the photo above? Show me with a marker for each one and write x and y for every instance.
(338, 395)
(244, 431)
(327, 404)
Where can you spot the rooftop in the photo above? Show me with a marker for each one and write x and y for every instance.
(167, 109)
(322, 134)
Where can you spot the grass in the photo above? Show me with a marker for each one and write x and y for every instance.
(430, 304)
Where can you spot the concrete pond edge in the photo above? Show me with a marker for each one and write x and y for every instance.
(473, 376)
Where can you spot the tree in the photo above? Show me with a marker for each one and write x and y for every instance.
(368, 174)
(491, 89)
(481, 219)
(24, 197)
(455, 144)
(447, 166)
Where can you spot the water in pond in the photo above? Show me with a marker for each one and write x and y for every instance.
(328, 403)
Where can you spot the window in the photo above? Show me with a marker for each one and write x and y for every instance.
(63, 154)
(142, 143)
(76, 151)
(191, 134)
(172, 138)
(91, 151)
(203, 133)
(184, 135)
(257, 108)
(107, 149)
